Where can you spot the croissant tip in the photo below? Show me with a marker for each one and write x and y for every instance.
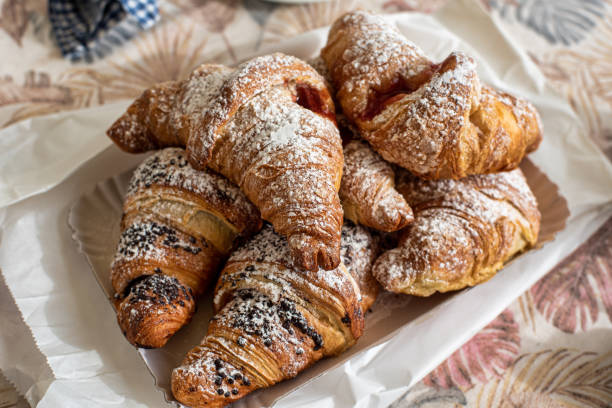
(309, 253)
(154, 309)
(130, 135)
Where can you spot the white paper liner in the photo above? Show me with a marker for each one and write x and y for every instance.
(95, 218)
(75, 328)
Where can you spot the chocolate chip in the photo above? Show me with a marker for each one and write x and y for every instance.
(218, 381)
(220, 391)
(227, 394)
(267, 342)
(235, 391)
(230, 380)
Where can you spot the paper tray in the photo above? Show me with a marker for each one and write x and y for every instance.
(94, 219)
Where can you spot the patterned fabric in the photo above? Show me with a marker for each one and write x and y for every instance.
(551, 347)
(87, 29)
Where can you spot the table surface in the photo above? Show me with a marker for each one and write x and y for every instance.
(569, 40)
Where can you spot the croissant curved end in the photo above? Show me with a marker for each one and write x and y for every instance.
(154, 309)
(390, 271)
(310, 253)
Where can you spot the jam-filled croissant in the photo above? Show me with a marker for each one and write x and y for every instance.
(273, 320)
(434, 119)
(268, 126)
(178, 226)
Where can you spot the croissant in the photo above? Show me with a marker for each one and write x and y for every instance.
(359, 250)
(273, 320)
(269, 127)
(367, 191)
(178, 226)
(432, 119)
(464, 232)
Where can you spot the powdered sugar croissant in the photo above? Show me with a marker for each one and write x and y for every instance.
(273, 320)
(178, 227)
(464, 232)
(268, 126)
(432, 119)
(368, 192)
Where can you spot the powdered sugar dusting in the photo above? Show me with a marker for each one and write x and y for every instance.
(368, 187)
(375, 51)
(287, 160)
(149, 240)
(431, 119)
(170, 168)
(457, 223)
(265, 262)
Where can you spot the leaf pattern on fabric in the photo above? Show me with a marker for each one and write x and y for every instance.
(260, 11)
(216, 16)
(584, 75)
(36, 88)
(552, 378)
(14, 19)
(567, 296)
(558, 21)
(527, 308)
(428, 6)
(486, 355)
(289, 20)
(165, 53)
(421, 396)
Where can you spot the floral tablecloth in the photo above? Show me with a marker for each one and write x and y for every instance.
(553, 346)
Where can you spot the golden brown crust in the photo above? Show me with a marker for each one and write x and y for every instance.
(178, 227)
(360, 248)
(367, 191)
(272, 322)
(167, 184)
(428, 118)
(145, 125)
(269, 127)
(148, 246)
(154, 308)
(464, 232)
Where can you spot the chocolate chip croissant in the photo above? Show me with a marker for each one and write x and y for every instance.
(273, 320)
(269, 127)
(435, 120)
(464, 232)
(178, 226)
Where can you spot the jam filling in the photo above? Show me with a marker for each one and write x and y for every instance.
(311, 99)
(399, 88)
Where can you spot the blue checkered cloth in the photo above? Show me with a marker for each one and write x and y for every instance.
(89, 29)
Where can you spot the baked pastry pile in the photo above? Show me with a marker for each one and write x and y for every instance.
(427, 160)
